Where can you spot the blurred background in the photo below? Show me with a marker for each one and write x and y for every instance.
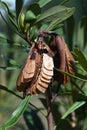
(13, 52)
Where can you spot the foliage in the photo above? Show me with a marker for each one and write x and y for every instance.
(16, 114)
(24, 22)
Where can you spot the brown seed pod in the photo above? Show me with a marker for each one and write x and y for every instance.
(63, 59)
(69, 65)
(28, 70)
(43, 79)
(37, 71)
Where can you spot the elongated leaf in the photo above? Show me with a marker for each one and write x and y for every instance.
(52, 13)
(19, 4)
(3, 37)
(55, 22)
(8, 67)
(43, 2)
(75, 106)
(12, 28)
(72, 76)
(13, 22)
(13, 62)
(16, 114)
(81, 58)
(9, 14)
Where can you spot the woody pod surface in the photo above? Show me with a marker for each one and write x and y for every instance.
(38, 71)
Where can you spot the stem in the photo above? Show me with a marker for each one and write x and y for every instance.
(50, 120)
(13, 93)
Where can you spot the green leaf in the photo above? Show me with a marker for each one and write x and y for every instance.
(13, 62)
(9, 21)
(19, 4)
(75, 106)
(72, 76)
(13, 22)
(55, 22)
(16, 114)
(21, 21)
(10, 15)
(8, 67)
(43, 2)
(30, 16)
(35, 8)
(81, 58)
(52, 13)
(3, 37)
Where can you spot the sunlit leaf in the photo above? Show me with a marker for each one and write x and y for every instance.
(52, 13)
(55, 22)
(21, 21)
(72, 76)
(19, 4)
(16, 114)
(13, 62)
(75, 106)
(30, 16)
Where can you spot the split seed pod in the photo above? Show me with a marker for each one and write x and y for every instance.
(63, 59)
(37, 71)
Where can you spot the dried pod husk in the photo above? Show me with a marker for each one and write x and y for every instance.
(63, 59)
(57, 46)
(42, 79)
(28, 70)
(38, 70)
(69, 67)
(36, 75)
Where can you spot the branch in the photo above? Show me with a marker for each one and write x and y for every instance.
(13, 93)
(49, 109)
(10, 91)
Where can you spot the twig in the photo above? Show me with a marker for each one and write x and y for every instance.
(50, 120)
(13, 93)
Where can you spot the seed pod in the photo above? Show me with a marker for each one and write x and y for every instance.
(63, 59)
(42, 79)
(28, 70)
(37, 72)
(69, 67)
